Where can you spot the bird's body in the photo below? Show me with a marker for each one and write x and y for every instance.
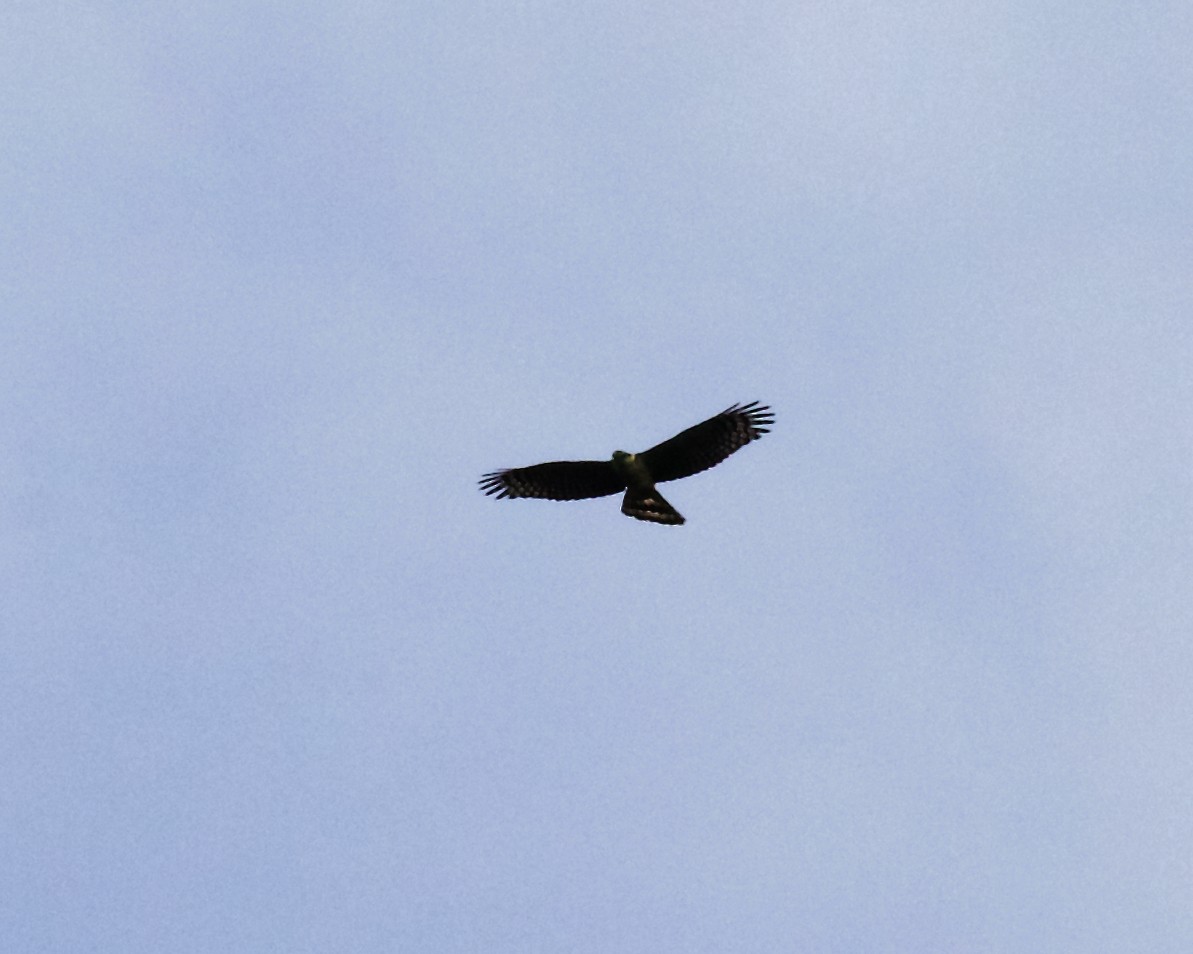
(641, 499)
(689, 452)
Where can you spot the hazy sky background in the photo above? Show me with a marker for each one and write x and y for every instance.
(280, 281)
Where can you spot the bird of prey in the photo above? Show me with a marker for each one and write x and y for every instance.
(688, 452)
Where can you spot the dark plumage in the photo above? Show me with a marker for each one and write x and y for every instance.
(689, 452)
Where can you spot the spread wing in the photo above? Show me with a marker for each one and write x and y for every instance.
(558, 480)
(707, 444)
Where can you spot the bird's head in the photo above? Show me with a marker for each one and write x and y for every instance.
(619, 456)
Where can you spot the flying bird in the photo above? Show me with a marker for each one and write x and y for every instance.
(689, 452)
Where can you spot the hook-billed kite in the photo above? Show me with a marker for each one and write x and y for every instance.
(688, 452)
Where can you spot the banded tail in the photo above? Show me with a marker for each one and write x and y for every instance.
(648, 504)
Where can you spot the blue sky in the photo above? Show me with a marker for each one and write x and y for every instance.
(281, 281)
